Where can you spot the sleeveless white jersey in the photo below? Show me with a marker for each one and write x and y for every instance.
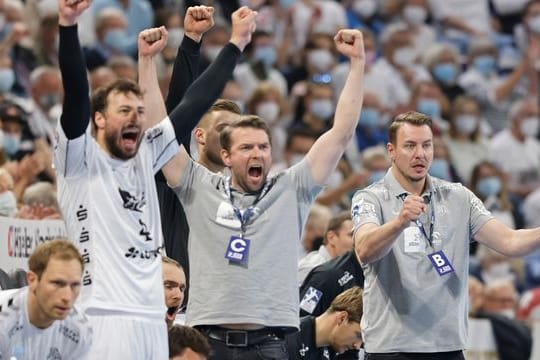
(19, 339)
(111, 212)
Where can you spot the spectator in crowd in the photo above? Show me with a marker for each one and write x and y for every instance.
(174, 282)
(442, 166)
(40, 319)
(39, 202)
(369, 131)
(337, 241)
(8, 201)
(399, 229)
(333, 332)
(444, 64)
(187, 343)
(501, 297)
(316, 223)
(428, 99)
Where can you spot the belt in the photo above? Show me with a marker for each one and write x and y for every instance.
(241, 338)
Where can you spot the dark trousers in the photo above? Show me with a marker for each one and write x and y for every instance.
(451, 355)
(265, 347)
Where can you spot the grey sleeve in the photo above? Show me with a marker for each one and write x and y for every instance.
(479, 215)
(365, 208)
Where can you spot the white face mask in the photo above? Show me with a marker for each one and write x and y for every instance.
(320, 59)
(404, 56)
(174, 38)
(415, 14)
(509, 313)
(212, 51)
(365, 8)
(8, 204)
(268, 111)
(466, 124)
(534, 24)
(323, 109)
(529, 127)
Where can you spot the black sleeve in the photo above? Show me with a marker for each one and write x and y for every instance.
(204, 91)
(76, 108)
(185, 70)
(325, 282)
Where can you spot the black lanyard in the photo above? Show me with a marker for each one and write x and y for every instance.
(419, 223)
(244, 219)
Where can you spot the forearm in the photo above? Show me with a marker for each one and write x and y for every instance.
(204, 91)
(153, 99)
(375, 242)
(76, 107)
(523, 242)
(502, 91)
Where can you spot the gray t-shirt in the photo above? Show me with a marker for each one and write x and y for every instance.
(408, 306)
(265, 291)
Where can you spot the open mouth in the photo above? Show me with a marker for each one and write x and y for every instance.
(171, 312)
(255, 171)
(130, 136)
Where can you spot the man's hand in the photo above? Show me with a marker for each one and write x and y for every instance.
(152, 41)
(243, 25)
(413, 207)
(198, 20)
(350, 43)
(69, 11)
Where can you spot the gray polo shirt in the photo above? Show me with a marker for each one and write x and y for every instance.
(408, 306)
(265, 291)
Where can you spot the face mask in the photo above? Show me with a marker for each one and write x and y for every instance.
(445, 73)
(365, 8)
(117, 39)
(509, 313)
(534, 24)
(285, 4)
(440, 169)
(429, 107)
(266, 54)
(323, 109)
(485, 64)
(529, 127)
(369, 118)
(371, 56)
(174, 38)
(11, 144)
(49, 100)
(320, 59)
(212, 51)
(466, 124)
(404, 56)
(7, 79)
(376, 176)
(414, 14)
(268, 111)
(489, 186)
(8, 204)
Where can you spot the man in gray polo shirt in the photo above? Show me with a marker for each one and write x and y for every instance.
(245, 229)
(412, 233)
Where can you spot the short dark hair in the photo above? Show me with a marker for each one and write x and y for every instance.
(351, 301)
(409, 117)
(337, 220)
(185, 337)
(100, 96)
(245, 121)
(302, 132)
(59, 248)
(168, 260)
(219, 105)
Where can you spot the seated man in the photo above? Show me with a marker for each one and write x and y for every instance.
(333, 332)
(174, 284)
(187, 343)
(39, 321)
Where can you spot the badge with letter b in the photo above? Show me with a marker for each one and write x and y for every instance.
(441, 263)
(238, 250)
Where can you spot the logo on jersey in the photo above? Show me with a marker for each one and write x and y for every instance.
(152, 134)
(311, 299)
(132, 202)
(54, 354)
(345, 278)
(145, 254)
(71, 334)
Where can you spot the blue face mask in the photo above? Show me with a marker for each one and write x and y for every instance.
(376, 176)
(485, 64)
(11, 144)
(429, 107)
(118, 40)
(266, 54)
(7, 79)
(440, 169)
(285, 4)
(489, 186)
(369, 118)
(445, 73)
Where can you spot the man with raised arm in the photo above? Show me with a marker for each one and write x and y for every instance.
(106, 188)
(245, 229)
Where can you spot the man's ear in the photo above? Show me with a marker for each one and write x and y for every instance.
(100, 120)
(200, 136)
(225, 157)
(391, 150)
(341, 317)
(32, 279)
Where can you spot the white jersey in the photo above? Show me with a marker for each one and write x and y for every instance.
(19, 339)
(111, 212)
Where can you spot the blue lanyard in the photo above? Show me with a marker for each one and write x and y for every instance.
(244, 219)
(420, 225)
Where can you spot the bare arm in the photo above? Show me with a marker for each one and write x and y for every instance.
(328, 149)
(507, 241)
